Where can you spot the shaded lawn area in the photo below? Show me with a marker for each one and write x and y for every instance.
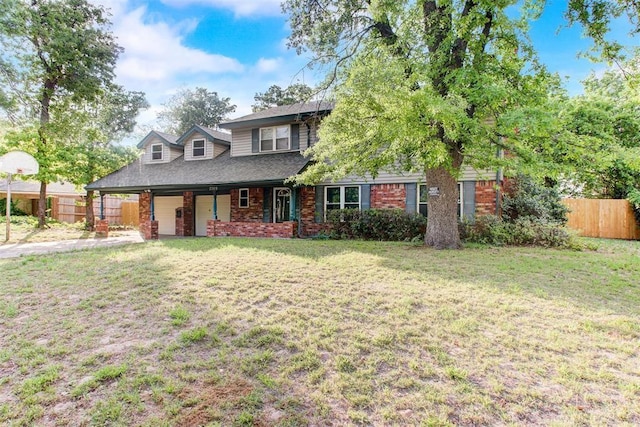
(296, 332)
(24, 230)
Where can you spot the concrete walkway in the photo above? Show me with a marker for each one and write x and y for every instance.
(15, 250)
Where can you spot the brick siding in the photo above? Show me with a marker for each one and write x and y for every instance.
(388, 196)
(485, 198)
(251, 214)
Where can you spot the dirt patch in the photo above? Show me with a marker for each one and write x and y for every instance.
(209, 399)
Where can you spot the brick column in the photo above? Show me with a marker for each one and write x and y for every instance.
(187, 213)
(102, 228)
(148, 228)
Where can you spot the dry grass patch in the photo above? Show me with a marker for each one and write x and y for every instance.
(292, 332)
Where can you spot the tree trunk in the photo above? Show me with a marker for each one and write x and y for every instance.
(442, 207)
(89, 216)
(42, 205)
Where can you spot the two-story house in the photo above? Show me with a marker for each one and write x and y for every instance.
(214, 183)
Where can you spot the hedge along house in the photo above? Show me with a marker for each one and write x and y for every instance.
(213, 183)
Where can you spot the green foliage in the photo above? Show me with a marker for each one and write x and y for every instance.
(14, 209)
(194, 335)
(194, 107)
(533, 201)
(376, 224)
(598, 16)
(55, 54)
(492, 230)
(276, 96)
(425, 87)
(179, 315)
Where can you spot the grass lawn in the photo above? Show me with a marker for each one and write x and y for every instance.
(297, 332)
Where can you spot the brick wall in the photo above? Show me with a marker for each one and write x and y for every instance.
(102, 228)
(149, 230)
(187, 213)
(485, 198)
(308, 213)
(251, 214)
(144, 208)
(388, 196)
(217, 228)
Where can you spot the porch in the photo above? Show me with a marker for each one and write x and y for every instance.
(271, 211)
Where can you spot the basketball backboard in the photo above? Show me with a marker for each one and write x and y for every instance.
(18, 163)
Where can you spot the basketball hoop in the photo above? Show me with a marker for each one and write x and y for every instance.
(16, 163)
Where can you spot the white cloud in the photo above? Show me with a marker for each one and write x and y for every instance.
(154, 51)
(266, 65)
(239, 7)
(157, 61)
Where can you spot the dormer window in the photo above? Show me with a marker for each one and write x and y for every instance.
(275, 138)
(156, 152)
(198, 148)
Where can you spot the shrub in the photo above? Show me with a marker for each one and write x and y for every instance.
(529, 199)
(376, 224)
(523, 231)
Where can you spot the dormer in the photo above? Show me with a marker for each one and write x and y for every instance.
(280, 129)
(159, 147)
(202, 143)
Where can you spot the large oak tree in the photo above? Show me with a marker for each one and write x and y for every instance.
(424, 86)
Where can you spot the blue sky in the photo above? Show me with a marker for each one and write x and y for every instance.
(238, 48)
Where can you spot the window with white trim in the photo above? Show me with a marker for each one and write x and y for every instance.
(275, 138)
(156, 152)
(198, 148)
(342, 197)
(243, 198)
(423, 196)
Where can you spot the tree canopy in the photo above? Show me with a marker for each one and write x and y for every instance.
(425, 86)
(605, 123)
(194, 107)
(275, 96)
(54, 52)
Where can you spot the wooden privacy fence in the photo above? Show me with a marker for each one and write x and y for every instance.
(608, 218)
(116, 210)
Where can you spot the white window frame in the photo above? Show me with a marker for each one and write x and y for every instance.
(274, 130)
(161, 152)
(193, 147)
(460, 198)
(241, 198)
(342, 193)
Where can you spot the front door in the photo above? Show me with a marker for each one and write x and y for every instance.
(282, 204)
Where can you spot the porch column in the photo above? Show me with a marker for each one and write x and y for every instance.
(292, 205)
(153, 208)
(101, 205)
(215, 202)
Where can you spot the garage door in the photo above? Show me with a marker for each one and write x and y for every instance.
(204, 209)
(165, 213)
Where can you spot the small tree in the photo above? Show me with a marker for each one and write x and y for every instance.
(91, 132)
(194, 107)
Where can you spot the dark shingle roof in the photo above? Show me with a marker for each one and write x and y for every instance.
(284, 111)
(224, 136)
(213, 133)
(223, 170)
(166, 138)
